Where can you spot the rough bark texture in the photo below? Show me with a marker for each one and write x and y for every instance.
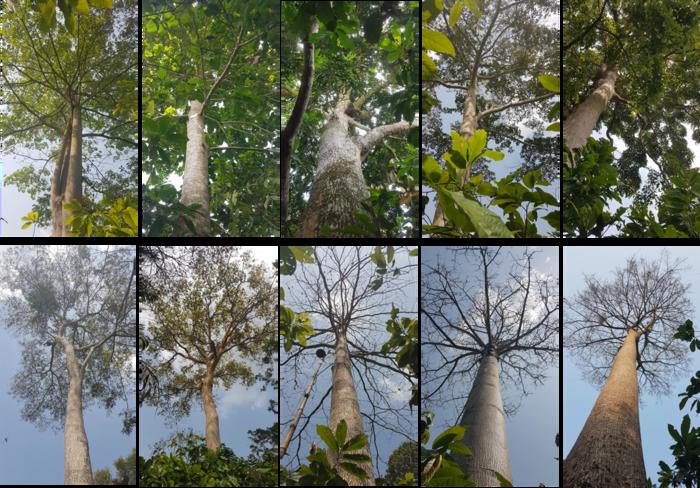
(608, 451)
(344, 405)
(579, 125)
(466, 129)
(74, 178)
(195, 181)
(77, 466)
(211, 416)
(58, 181)
(485, 421)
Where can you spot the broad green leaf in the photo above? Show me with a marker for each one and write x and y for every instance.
(473, 6)
(428, 68)
(359, 458)
(390, 253)
(27, 225)
(325, 433)
(455, 11)
(438, 42)
(459, 144)
(341, 431)
(303, 254)
(529, 179)
(477, 143)
(357, 442)
(553, 127)
(47, 14)
(549, 82)
(460, 448)
(83, 7)
(503, 480)
(495, 155)
(413, 252)
(486, 223)
(449, 436)
(102, 3)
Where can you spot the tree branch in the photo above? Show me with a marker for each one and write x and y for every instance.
(500, 108)
(376, 135)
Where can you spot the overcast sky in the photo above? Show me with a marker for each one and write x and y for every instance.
(240, 409)
(580, 395)
(531, 430)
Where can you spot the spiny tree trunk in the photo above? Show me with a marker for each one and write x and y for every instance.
(58, 181)
(74, 177)
(211, 416)
(485, 421)
(195, 181)
(580, 124)
(344, 405)
(608, 451)
(466, 130)
(77, 466)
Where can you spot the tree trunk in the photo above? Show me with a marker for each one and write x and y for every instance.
(74, 178)
(211, 417)
(339, 186)
(77, 466)
(195, 181)
(466, 129)
(580, 124)
(485, 421)
(58, 181)
(608, 451)
(344, 405)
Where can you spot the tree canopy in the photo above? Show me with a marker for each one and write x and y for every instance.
(224, 53)
(367, 51)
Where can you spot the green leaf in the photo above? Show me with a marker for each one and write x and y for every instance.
(495, 155)
(373, 27)
(358, 458)
(473, 7)
(438, 42)
(486, 223)
(326, 434)
(459, 144)
(455, 11)
(529, 179)
(102, 3)
(449, 436)
(354, 470)
(27, 225)
(503, 480)
(674, 433)
(549, 82)
(428, 67)
(553, 127)
(82, 7)
(303, 254)
(414, 252)
(477, 143)
(357, 442)
(459, 448)
(685, 426)
(341, 431)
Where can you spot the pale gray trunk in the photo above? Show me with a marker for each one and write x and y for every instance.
(580, 124)
(77, 466)
(58, 181)
(74, 177)
(211, 416)
(195, 181)
(344, 405)
(339, 186)
(466, 129)
(608, 451)
(485, 422)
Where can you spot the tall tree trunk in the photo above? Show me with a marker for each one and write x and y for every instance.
(339, 186)
(195, 181)
(210, 415)
(58, 180)
(466, 129)
(74, 178)
(608, 451)
(77, 466)
(485, 421)
(579, 125)
(344, 405)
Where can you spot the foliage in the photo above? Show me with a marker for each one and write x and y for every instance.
(293, 326)
(117, 218)
(46, 12)
(126, 471)
(402, 467)
(357, 49)
(320, 471)
(185, 51)
(191, 464)
(438, 466)
(404, 340)
(686, 449)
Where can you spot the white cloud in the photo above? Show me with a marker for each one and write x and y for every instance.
(241, 396)
(547, 259)
(398, 393)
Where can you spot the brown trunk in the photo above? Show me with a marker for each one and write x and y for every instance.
(211, 417)
(58, 181)
(485, 422)
(344, 405)
(466, 130)
(195, 181)
(77, 466)
(608, 451)
(580, 124)
(74, 178)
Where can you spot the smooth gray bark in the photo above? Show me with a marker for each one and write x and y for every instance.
(195, 180)
(485, 422)
(608, 451)
(580, 124)
(212, 434)
(74, 178)
(77, 466)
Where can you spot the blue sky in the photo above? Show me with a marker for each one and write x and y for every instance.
(240, 409)
(396, 390)
(579, 396)
(531, 430)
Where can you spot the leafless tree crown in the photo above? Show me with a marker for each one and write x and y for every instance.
(648, 296)
(469, 310)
